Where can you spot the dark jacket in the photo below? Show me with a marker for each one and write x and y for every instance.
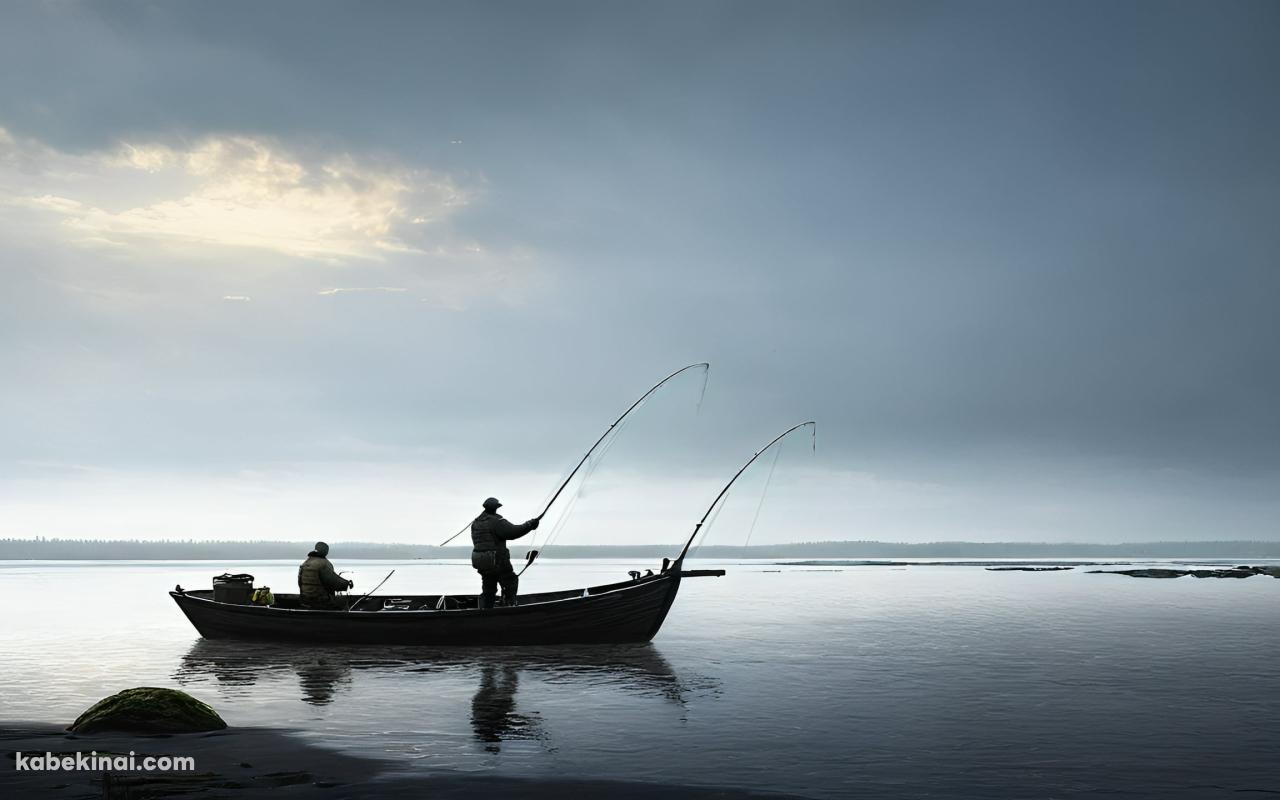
(491, 531)
(316, 578)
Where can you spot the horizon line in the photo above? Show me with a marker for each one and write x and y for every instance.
(49, 540)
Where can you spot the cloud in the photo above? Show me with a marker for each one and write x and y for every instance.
(343, 289)
(233, 191)
(237, 297)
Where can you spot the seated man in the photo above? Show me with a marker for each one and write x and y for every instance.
(317, 581)
(490, 533)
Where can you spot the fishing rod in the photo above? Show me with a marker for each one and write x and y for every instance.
(603, 436)
(616, 422)
(735, 477)
(456, 535)
(371, 591)
(532, 555)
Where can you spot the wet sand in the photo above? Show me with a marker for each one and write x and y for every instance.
(271, 763)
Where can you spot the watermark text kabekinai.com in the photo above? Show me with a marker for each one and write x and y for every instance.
(96, 762)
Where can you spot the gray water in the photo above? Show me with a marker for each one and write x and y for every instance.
(873, 681)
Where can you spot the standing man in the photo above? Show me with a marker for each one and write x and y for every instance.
(317, 581)
(489, 555)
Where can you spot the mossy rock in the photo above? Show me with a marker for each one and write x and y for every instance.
(147, 709)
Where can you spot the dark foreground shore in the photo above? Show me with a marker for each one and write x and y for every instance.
(270, 763)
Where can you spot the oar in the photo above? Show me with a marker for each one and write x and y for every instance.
(371, 591)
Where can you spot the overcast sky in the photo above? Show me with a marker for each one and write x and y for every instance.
(296, 270)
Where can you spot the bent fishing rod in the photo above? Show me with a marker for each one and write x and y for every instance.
(371, 591)
(603, 436)
(738, 474)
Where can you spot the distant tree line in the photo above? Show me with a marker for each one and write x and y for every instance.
(41, 548)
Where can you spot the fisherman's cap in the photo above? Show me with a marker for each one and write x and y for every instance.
(491, 503)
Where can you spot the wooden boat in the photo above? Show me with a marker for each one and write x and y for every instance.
(631, 611)
(615, 613)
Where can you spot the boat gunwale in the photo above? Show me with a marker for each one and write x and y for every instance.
(325, 612)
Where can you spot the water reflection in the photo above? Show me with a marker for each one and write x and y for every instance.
(493, 709)
(238, 665)
(320, 679)
(245, 668)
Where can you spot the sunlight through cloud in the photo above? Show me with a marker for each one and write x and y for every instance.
(233, 191)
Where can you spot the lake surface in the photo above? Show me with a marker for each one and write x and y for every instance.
(865, 681)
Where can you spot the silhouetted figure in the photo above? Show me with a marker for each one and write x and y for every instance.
(489, 555)
(317, 581)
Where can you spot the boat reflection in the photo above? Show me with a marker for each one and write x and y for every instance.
(320, 672)
(324, 673)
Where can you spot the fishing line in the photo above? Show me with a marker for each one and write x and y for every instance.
(715, 515)
(595, 459)
(725, 491)
(763, 493)
(625, 414)
(592, 465)
(702, 365)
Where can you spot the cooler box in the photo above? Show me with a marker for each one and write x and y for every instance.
(236, 589)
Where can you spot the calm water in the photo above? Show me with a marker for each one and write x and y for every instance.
(927, 681)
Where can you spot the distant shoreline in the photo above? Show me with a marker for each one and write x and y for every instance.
(41, 549)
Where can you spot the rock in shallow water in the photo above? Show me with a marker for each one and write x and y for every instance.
(1233, 572)
(147, 709)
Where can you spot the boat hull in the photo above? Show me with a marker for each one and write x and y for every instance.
(619, 613)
